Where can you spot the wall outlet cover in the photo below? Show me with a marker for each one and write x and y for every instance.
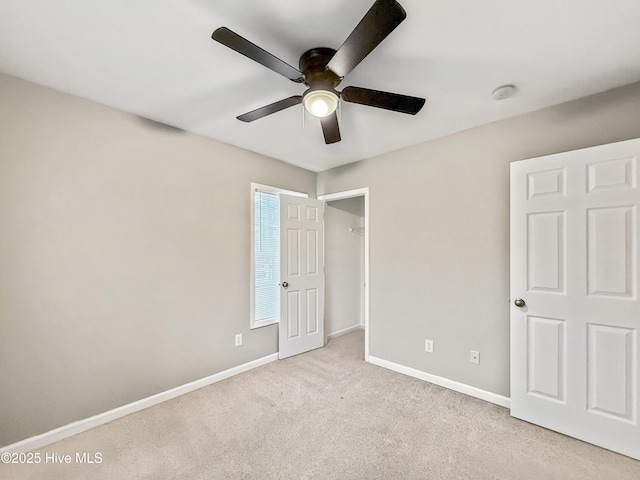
(474, 357)
(428, 346)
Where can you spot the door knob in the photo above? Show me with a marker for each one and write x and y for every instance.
(519, 302)
(285, 284)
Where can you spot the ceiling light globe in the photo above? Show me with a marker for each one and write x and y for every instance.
(321, 103)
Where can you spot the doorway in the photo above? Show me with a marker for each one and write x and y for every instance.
(347, 263)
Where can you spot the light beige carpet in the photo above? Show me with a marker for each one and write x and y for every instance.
(327, 415)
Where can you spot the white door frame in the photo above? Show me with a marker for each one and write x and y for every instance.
(359, 192)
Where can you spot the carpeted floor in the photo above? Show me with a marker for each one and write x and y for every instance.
(327, 414)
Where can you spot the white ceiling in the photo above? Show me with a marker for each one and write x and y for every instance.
(156, 59)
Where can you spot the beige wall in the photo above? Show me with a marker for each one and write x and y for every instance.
(344, 257)
(440, 233)
(124, 257)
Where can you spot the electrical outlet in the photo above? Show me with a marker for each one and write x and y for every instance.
(238, 339)
(474, 357)
(428, 346)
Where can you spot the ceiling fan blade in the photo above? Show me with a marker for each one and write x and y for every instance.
(241, 45)
(269, 109)
(386, 100)
(330, 128)
(381, 19)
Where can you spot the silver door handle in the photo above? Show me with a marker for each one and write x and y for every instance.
(519, 302)
(285, 285)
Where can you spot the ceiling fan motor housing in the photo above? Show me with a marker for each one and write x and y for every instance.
(313, 64)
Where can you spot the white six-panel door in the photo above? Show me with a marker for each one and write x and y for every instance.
(302, 275)
(574, 264)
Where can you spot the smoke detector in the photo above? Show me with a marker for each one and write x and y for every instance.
(505, 91)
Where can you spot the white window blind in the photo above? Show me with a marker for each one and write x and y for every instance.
(267, 256)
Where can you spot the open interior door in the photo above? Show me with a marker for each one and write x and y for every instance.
(301, 275)
(575, 311)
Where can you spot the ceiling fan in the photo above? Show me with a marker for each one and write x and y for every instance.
(322, 69)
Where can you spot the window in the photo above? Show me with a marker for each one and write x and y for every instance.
(265, 254)
(266, 241)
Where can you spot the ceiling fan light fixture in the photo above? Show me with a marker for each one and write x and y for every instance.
(320, 103)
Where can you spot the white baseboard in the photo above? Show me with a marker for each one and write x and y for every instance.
(443, 382)
(344, 331)
(74, 428)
